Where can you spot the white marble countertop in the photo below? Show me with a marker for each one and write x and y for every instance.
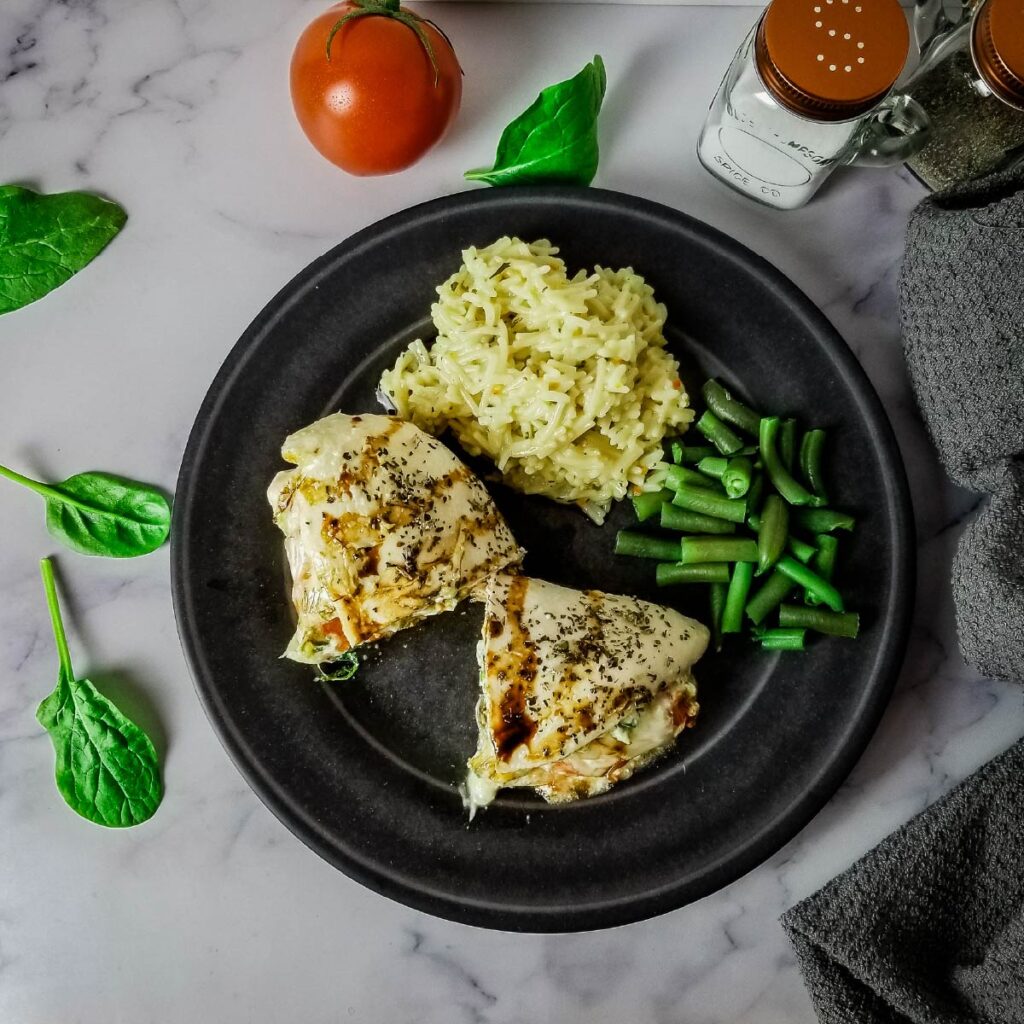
(179, 109)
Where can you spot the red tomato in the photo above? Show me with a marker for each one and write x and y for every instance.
(374, 107)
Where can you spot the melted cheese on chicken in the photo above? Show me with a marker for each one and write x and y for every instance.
(383, 526)
(580, 688)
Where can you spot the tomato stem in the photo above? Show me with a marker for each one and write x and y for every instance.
(389, 9)
(413, 22)
(336, 27)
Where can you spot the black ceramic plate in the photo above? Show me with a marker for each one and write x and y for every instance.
(365, 772)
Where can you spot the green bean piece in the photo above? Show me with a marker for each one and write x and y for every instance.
(824, 561)
(795, 493)
(649, 503)
(705, 501)
(738, 476)
(691, 453)
(668, 574)
(717, 595)
(798, 617)
(721, 436)
(677, 476)
(810, 462)
(823, 520)
(736, 597)
(643, 545)
(772, 531)
(717, 549)
(787, 444)
(730, 409)
(715, 466)
(811, 582)
(801, 549)
(755, 492)
(773, 592)
(783, 639)
(673, 518)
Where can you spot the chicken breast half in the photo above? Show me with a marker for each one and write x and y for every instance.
(579, 688)
(383, 526)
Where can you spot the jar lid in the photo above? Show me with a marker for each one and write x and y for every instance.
(998, 44)
(832, 60)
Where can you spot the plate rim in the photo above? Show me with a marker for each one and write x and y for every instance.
(758, 847)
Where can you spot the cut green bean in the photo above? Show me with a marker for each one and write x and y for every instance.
(643, 545)
(773, 592)
(678, 476)
(787, 444)
(705, 501)
(755, 493)
(810, 462)
(738, 476)
(667, 574)
(824, 561)
(690, 453)
(811, 582)
(823, 520)
(716, 549)
(790, 489)
(736, 597)
(717, 601)
(674, 518)
(799, 617)
(721, 436)
(715, 466)
(772, 531)
(769, 485)
(783, 639)
(730, 409)
(801, 549)
(649, 503)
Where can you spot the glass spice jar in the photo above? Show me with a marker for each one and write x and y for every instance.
(970, 83)
(808, 91)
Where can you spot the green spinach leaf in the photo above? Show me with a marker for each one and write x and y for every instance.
(44, 240)
(100, 514)
(340, 669)
(555, 139)
(107, 769)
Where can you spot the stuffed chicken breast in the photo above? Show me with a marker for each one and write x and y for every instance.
(579, 688)
(383, 526)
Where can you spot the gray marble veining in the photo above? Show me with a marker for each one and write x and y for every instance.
(211, 911)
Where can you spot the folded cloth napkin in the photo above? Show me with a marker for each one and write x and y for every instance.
(928, 928)
(962, 310)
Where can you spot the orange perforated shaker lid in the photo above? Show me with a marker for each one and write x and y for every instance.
(831, 60)
(998, 44)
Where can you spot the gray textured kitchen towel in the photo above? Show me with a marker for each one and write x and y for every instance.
(928, 928)
(962, 310)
